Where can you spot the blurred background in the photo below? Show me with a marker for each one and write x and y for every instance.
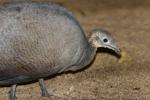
(109, 77)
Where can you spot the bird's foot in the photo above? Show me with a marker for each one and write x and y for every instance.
(43, 88)
(13, 92)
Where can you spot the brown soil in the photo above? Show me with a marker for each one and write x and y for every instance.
(107, 78)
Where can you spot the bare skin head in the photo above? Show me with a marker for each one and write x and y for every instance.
(102, 38)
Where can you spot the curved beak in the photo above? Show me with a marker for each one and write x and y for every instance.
(118, 51)
(115, 48)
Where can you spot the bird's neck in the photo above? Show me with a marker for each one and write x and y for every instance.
(92, 52)
(92, 42)
(93, 49)
(87, 55)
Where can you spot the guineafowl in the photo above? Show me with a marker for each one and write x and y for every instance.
(38, 40)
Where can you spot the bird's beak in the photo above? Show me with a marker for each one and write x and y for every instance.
(116, 49)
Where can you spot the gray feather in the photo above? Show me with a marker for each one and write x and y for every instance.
(38, 38)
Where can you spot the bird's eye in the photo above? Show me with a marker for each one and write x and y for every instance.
(105, 40)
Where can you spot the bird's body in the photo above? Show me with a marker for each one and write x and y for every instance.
(38, 40)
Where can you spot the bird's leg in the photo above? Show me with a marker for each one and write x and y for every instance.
(13, 92)
(43, 88)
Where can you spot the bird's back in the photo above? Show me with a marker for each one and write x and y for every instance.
(36, 38)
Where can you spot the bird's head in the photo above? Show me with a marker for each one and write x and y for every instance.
(102, 38)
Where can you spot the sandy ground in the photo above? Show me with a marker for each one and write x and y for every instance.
(106, 78)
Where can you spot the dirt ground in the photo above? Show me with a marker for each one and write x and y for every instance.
(108, 78)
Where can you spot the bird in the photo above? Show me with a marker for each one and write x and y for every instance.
(39, 40)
